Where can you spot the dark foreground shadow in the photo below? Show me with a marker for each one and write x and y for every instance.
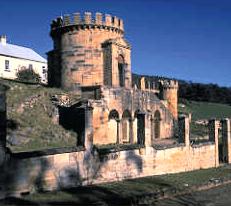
(17, 201)
(76, 196)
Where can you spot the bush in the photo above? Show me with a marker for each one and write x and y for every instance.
(28, 75)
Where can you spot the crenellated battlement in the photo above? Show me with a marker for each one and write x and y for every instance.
(88, 20)
(169, 84)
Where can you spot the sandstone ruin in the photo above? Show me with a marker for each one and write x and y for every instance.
(92, 58)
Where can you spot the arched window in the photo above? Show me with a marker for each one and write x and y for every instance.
(157, 124)
(121, 70)
(113, 115)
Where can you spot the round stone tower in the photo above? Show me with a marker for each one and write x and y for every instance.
(169, 92)
(88, 52)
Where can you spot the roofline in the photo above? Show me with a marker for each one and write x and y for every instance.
(23, 58)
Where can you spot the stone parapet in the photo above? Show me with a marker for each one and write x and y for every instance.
(169, 84)
(103, 21)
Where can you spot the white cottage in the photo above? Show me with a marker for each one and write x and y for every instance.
(14, 58)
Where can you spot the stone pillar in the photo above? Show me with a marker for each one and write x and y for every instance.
(119, 131)
(183, 126)
(213, 137)
(142, 83)
(88, 134)
(147, 126)
(2, 125)
(226, 140)
(131, 134)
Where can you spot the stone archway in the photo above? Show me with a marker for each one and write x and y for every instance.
(113, 127)
(140, 127)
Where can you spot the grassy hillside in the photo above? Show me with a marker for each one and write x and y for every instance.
(30, 121)
(203, 111)
(206, 110)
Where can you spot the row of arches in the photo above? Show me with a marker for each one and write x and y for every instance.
(132, 130)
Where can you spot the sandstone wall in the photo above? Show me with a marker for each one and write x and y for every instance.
(61, 168)
(130, 101)
(49, 172)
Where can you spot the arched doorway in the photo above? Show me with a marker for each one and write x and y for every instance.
(157, 120)
(126, 126)
(121, 70)
(113, 127)
(140, 127)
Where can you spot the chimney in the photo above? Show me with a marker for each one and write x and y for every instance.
(3, 39)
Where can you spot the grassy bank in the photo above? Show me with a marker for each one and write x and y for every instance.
(30, 118)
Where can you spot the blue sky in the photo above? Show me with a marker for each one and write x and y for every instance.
(184, 39)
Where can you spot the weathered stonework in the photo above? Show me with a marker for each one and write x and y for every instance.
(91, 58)
(94, 57)
(226, 140)
(85, 49)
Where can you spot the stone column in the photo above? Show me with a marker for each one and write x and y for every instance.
(119, 131)
(184, 131)
(88, 134)
(2, 125)
(226, 140)
(213, 137)
(147, 126)
(131, 134)
(142, 83)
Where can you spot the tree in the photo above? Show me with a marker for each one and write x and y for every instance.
(28, 75)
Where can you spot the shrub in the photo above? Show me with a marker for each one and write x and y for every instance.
(28, 75)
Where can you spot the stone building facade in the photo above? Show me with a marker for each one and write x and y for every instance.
(92, 56)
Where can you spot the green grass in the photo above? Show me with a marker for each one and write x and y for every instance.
(206, 110)
(33, 125)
